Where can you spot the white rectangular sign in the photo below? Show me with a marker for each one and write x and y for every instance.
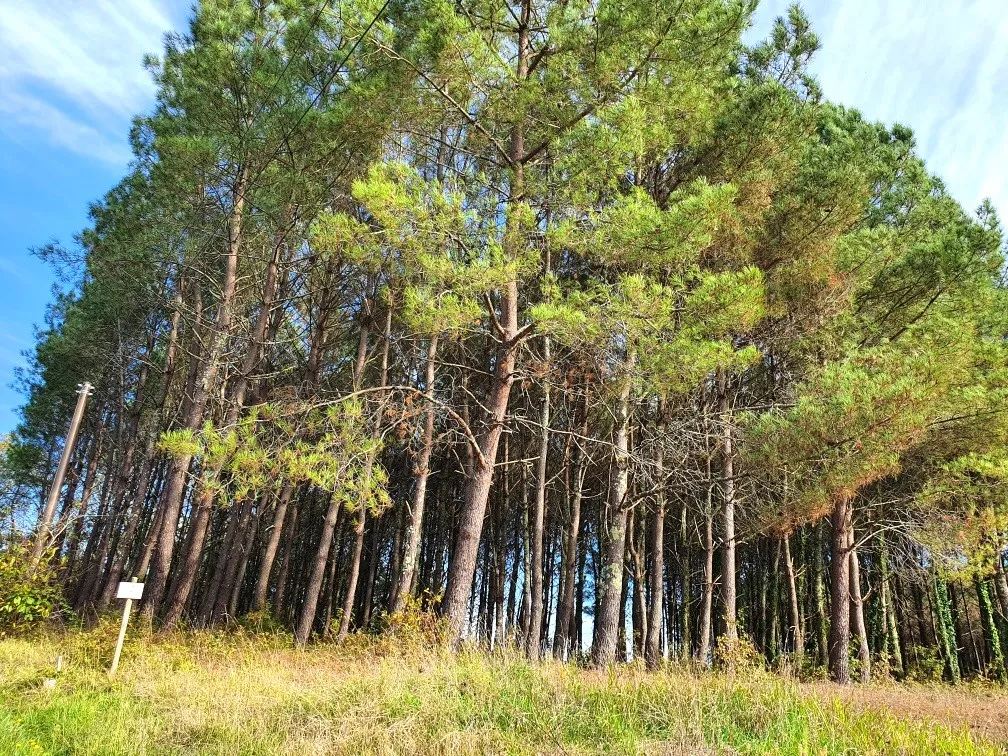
(130, 590)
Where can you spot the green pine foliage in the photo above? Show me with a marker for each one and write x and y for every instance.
(424, 303)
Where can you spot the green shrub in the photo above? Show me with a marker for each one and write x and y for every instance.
(738, 656)
(261, 622)
(925, 664)
(27, 597)
(417, 625)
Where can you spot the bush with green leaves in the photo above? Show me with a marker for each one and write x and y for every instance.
(28, 596)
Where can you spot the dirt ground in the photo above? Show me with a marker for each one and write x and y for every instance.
(983, 710)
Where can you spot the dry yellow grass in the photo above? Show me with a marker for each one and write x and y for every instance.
(217, 693)
(981, 708)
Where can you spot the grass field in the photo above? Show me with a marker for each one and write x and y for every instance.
(217, 693)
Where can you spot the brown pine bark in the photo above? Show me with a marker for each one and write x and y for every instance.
(839, 641)
(232, 561)
(728, 570)
(797, 629)
(533, 644)
(414, 529)
(652, 644)
(150, 451)
(312, 370)
(355, 561)
(206, 612)
(462, 568)
(819, 593)
(609, 587)
(526, 603)
(857, 612)
(76, 527)
(157, 582)
(186, 575)
(636, 547)
(565, 607)
(290, 534)
(355, 564)
(308, 608)
(702, 654)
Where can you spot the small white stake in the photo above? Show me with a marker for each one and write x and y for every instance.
(129, 591)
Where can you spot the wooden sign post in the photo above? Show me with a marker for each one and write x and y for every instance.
(129, 591)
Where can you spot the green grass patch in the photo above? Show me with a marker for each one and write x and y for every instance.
(217, 693)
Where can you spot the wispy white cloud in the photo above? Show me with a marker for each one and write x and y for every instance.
(41, 118)
(70, 72)
(940, 68)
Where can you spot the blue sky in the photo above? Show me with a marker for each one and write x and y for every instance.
(71, 78)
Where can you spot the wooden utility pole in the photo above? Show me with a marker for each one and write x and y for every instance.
(45, 525)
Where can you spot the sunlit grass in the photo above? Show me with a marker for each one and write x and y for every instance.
(216, 693)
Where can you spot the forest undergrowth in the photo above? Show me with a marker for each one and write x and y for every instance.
(248, 693)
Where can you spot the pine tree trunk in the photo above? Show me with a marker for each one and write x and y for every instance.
(565, 607)
(306, 617)
(1001, 590)
(526, 604)
(533, 645)
(183, 584)
(411, 555)
(685, 562)
(308, 609)
(609, 587)
(312, 370)
(330, 591)
(462, 569)
(621, 639)
(996, 667)
(857, 611)
(797, 631)
(77, 527)
(891, 639)
(367, 600)
(157, 581)
(635, 545)
(772, 634)
(233, 561)
(290, 529)
(271, 548)
(702, 655)
(819, 593)
(945, 630)
(143, 564)
(578, 622)
(728, 570)
(839, 643)
(355, 563)
(652, 646)
(247, 546)
(207, 607)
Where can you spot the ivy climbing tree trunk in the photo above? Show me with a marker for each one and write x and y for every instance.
(996, 668)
